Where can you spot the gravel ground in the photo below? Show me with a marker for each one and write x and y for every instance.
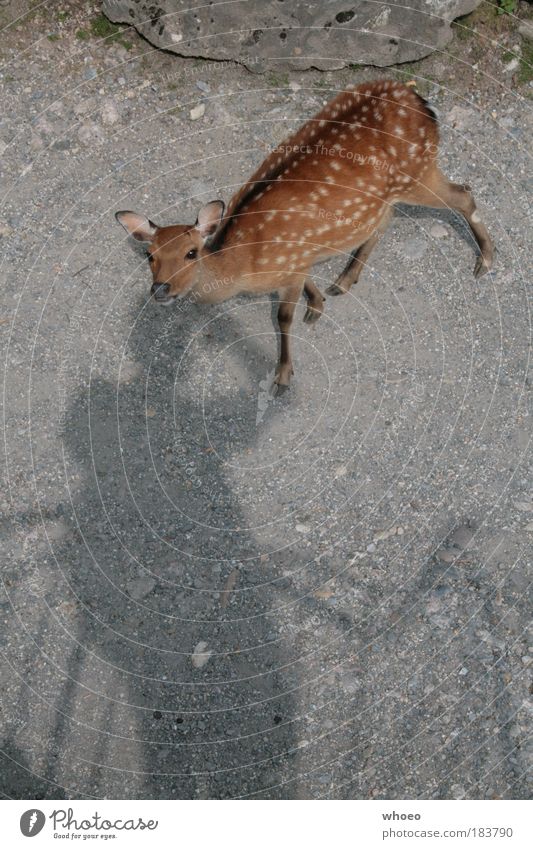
(209, 592)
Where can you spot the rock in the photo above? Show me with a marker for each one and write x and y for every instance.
(140, 587)
(200, 655)
(5, 230)
(298, 34)
(109, 113)
(303, 529)
(438, 231)
(524, 506)
(197, 112)
(203, 86)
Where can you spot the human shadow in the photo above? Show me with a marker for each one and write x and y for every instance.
(170, 684)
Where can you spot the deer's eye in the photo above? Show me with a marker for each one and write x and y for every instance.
(192, 254)
(150, 257)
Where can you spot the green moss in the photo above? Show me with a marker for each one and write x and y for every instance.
(101, 27)
(278, 80)
(525, 69)
(82, 34)
(63, 16)
(53, 36)
(507, 7)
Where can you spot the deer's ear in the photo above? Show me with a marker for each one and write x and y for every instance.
(209, 218)
(138, 226)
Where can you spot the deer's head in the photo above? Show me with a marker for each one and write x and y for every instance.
(175, 253)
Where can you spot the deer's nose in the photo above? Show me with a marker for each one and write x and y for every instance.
(160, 291)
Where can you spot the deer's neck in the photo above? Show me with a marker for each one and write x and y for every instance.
(222, 274)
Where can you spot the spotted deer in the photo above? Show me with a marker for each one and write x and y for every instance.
(328, 190)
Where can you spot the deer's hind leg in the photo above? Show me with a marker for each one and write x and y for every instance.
(350, 276)
(439, 192)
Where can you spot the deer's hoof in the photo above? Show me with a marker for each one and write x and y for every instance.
(280, 389)
(282, 380)
(335, 289)
(311, 315)
(483, 265)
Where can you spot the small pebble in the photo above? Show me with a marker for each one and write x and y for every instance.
(197, 112)
(200, 655)
(140, 587)
(446, 556)
(438, 231)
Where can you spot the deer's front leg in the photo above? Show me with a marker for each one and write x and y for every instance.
(315, 302)
(288, 298)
